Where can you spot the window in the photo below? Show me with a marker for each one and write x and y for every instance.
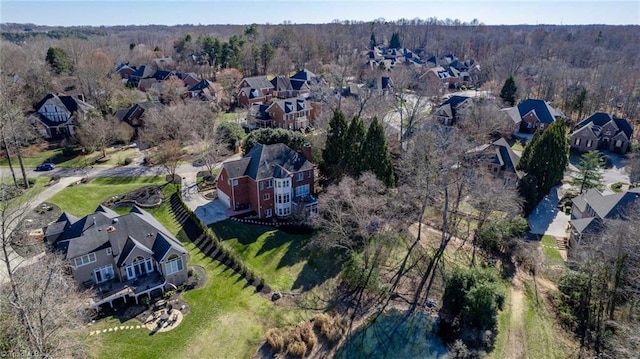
(85, 259)
(266, 197)
(302, 190)
(109, 251)
(619, 143)
(588, 143)
(300, 176)
(577, 143)
(279, 184)
(235, 182)
(267, 213)
(149, 266)
(174, 264)
(261, 186)
(103, 274)
(308, 174)
(269, 183)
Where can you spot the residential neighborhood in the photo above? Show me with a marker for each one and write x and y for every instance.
(381, 188)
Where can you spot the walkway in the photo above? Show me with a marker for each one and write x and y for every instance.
(114, 329)
(14, 258)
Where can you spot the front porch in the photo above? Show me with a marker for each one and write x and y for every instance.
(110, 291)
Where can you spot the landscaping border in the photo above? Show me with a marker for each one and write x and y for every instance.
(208, 243)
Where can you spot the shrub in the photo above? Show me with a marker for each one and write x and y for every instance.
(169, 293)
(127, 161)
(293, 335)
(307, 334)
(297, 348)
(329, 328)
(275, 339)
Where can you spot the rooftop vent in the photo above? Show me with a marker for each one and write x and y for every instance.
(115, 220)
(111, 229)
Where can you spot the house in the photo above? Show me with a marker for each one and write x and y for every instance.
(449, 111)
(271, 180)
(308, 77)
(500, 160)
(532, 115)
(257, 117)
(135, 115)
(190, 79)
(602, 131)
(205, 90)
(291, 113)
(284, 87)
(55, 114)
(591, 208)
(254, 90)
(121, 256)
(125, 71)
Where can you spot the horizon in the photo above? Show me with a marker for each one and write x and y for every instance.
(201, 13)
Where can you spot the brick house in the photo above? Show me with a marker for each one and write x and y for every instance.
(271, 180)
(500, 161)
(602, 131)
(531, 115)
(254, 90)
(121, 256)
(448, 112)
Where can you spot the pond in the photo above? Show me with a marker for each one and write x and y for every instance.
(394, 335)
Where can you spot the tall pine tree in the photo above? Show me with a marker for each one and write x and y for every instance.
(332, 166)
(356, 134)
(508, 92)
(375, 155)
(547, 157)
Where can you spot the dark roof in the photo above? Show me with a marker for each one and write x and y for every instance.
(293, 104)
(305, 75)
(266, 161)
(509, 158)
(71, 103)
(105, 228)
(281, 83)
(601, 118)
(297, 84)
(162, 75)
(542, 109)
(455, 100)
(259, 111)
(200, 86)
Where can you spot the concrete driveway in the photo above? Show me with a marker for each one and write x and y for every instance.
(547, 219)
(206, 210)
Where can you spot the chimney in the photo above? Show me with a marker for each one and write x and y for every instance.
(306, 152)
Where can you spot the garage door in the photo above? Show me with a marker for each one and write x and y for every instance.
(224, 198)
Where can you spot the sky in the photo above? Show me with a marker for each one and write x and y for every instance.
(166, 12)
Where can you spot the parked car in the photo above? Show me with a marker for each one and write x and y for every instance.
(47, 166)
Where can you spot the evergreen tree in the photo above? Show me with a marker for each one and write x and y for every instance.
(547, 157)
(375, 156)
(59, 61)
(395, 41)
(528, 189)
(508, 92)
(525, 159)
(372, 41)
(589, 175)
(332, 166)
(270, 136)
(356, 134)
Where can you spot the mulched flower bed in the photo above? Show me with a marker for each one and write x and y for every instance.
(148, 196)
(29, 240)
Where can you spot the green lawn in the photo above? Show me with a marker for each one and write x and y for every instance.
(115, 157)
(82, 199)
(543, 335)
(550, 250)
(227, 318)
(280, 258)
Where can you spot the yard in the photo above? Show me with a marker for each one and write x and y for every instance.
(280, 258)
(82, 199)
(550, 250)
(33, 156)
(227, 318)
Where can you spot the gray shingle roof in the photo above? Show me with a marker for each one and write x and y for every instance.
(105, 228)
(266, 161)
(257, 82)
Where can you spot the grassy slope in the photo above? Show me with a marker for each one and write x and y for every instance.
(550, 249)
(227, 318)
(277, 256)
